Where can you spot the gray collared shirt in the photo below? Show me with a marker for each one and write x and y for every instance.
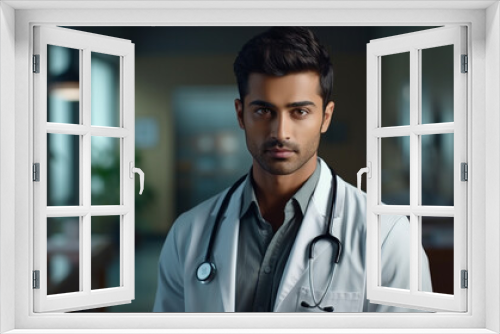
(262, 254)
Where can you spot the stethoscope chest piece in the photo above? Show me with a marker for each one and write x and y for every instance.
(205, 272)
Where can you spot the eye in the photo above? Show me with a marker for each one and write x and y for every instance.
(263, 111)
(301, 113)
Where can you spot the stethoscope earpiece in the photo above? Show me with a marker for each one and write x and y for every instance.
(205, 272)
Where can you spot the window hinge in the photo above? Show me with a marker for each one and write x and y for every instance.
(36, 172)
(465, 64)
(36, 63)
(36, 279)
(464, 171)
(465, 279)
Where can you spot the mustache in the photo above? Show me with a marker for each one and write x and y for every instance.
(282, 144)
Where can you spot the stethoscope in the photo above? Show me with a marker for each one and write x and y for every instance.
(206, 271)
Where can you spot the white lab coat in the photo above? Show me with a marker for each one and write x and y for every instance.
(186, 244)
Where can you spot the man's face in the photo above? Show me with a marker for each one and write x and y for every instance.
(283, 120)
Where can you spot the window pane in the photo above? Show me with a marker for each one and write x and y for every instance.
(395, 81)
(63, 255)
(437, 169)
(63, 85)
(392, 275)
(105, 252)
(105, 171)
(105, 82)
(395, 170)
(437, 240)
(63, 169)
(437, 84)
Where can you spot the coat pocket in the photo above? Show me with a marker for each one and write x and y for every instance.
(340, 301)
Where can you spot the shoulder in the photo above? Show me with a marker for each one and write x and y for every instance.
(198, 215)
(350, 209)
(190, 228)
(355, 202)
(395, 228)
(351, 203)
(352, 195)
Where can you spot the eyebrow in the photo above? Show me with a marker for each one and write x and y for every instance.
(265, 104)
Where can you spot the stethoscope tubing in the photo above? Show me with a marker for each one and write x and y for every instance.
(206, 271)
(220, 213)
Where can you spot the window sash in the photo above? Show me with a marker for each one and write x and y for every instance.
(413, 43)
(87, 43)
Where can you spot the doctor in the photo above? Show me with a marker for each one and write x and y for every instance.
(262, 228)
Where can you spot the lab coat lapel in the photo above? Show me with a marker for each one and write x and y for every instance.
(312, 225)
(226, 251)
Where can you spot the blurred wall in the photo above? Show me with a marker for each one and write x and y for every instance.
(156, 79)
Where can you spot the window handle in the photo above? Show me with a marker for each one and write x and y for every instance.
(141, 175)
(367, 170)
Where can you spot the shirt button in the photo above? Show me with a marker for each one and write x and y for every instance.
(267, 270)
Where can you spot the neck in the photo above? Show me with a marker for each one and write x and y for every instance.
(274, 191)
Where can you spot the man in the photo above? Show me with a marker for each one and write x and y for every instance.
(247, 249)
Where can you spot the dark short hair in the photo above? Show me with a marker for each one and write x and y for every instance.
(283, 50)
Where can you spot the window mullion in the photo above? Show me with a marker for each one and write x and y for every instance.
(85, 246)
(85, 251)
(414, 167)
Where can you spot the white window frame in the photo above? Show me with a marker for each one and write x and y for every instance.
(16, 22)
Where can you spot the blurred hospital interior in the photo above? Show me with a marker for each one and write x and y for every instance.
(190, 147)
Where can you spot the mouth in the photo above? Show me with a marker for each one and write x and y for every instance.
(280, 153)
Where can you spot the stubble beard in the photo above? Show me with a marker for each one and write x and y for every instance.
(287, 166)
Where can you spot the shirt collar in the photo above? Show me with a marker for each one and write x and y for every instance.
(302, 196)
(248, 196)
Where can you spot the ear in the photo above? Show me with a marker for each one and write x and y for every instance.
(327, 117)
(238, 106)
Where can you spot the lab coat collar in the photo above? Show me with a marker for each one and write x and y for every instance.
(321, 197)
(226, 250)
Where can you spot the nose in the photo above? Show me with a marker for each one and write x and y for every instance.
(281, 127)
